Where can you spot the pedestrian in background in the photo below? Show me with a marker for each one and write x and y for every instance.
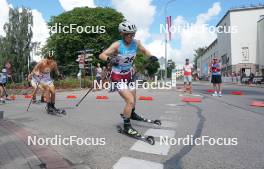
(98, 75)
(187, 68)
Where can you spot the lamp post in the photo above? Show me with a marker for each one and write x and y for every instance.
(166, 5)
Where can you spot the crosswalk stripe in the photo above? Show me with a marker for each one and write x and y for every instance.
(157, 148)
(160, 132)
(132, 163)
(171, 112)
(168, 124)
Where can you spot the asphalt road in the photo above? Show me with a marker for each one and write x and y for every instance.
(230, 116)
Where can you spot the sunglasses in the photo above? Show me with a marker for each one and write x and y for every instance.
(130, 35)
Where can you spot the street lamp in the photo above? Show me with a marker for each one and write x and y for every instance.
(166, 5)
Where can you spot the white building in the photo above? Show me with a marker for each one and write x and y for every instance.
(260, 45)
(237, 47)
(204, 61)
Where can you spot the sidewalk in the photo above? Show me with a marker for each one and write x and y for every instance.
(237, 84)
(16, 154)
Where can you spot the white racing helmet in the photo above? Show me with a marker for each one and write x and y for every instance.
(127, 27)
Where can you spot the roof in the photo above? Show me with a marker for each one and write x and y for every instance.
(212, 44)
(242, 8)
(261, 19)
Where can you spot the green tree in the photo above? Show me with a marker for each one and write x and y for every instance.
(152, 68)
(198, 53)
(65, 45)
(142, 63)
(16, 44)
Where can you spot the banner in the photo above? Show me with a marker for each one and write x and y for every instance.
(168, 19)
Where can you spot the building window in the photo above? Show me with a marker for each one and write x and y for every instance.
(245, 54)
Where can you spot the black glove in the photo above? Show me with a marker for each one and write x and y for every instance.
(153, 59)
(113, 61)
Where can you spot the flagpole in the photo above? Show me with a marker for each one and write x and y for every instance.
(165, 45)
(166, 38)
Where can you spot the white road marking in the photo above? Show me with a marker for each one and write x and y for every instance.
(175, 105)
(169, 117)
(168, 124)
(157, 148)
(132, 163)
(160, 132)
(171, 112)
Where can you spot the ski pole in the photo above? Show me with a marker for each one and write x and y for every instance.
(84, 96)
(35, 91)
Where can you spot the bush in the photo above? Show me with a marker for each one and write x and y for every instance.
(70, 83)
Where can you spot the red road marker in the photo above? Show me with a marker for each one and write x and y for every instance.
(237, 93)
(189, 99)
(13, 97)
(71, 97)
(145, 98)
(27, 96)
(257, 103)
(102, 97)
(210, 91)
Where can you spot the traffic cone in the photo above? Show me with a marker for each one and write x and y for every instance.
(13, 97)
(257, 103)
(71, 97)
(102, 97)
(28, 96)
(189, 99)
(237, 93)
(145, 98)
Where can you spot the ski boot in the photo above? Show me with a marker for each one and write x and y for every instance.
(50, 109)
(59, 111)
(42, 100)
(128, 129)
(34, 99)
(137, 117)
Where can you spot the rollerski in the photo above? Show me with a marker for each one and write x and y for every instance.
(148, 139)
(131, 132)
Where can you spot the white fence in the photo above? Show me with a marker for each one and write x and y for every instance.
(231, 79)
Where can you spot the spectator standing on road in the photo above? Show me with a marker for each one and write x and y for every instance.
(3, 82)
(216, 77)
(98, 74)
(104, 75)
(251, 77)
(187, 68)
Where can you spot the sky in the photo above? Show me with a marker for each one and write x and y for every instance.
(148, 15)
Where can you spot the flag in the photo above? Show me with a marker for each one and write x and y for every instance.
(168, 19)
